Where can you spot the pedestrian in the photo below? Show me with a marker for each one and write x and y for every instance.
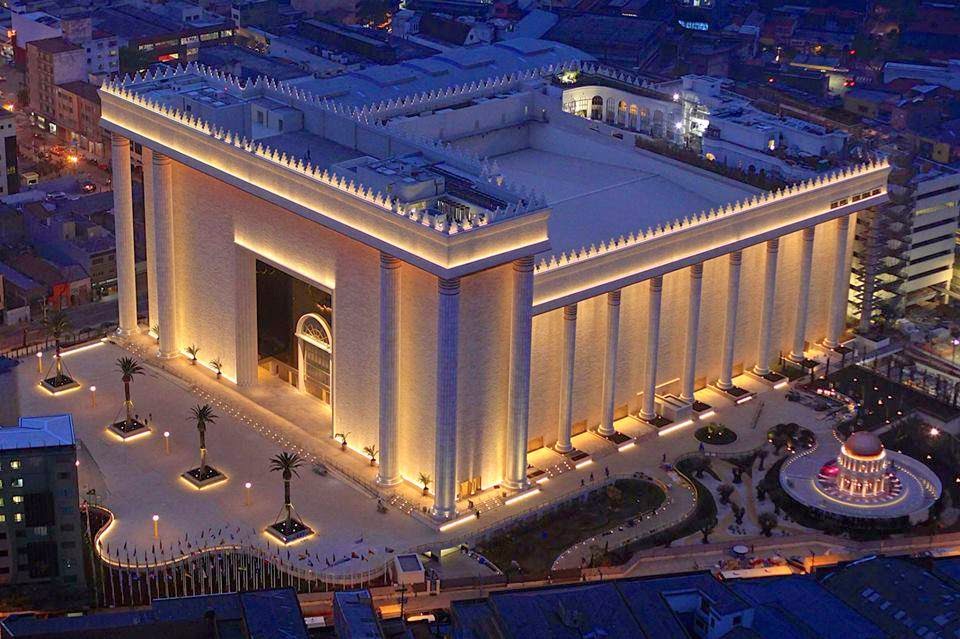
(150, 417)
(582, 483)
(478, 513)
(591, 476)
(606, 471)
(701, 447)
(663, 460)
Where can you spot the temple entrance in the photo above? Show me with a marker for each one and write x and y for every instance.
(294, 331)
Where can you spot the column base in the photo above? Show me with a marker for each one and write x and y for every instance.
(606, 432)
(761, 371)
(388, 482)
(797, 357)
(442, 514)
(722, 385)
(830, 344)
(647, 416)
(168, 354)
(514, 485)
(563, 449)
(127, 332)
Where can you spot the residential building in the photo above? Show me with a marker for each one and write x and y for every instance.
(518, 281)
(263, 614)
(257, 13)
(51, 62)
(78, 119)
(10, 182)
(41, 537)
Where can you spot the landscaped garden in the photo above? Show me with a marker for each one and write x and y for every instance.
(715, 434)
(536, 543)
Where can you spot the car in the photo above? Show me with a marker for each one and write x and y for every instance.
(88, 186)
(56, 195)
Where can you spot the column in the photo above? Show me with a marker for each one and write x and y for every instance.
(841, 284)
(246, 317)
(610, 363)
(649, 408)
(123, 228)
(762, 366)
(725, 381)
(166, 271)
(153, 317)
(693, 330)
(445, 465)
(515, 469)
(389, 474)
(565, 424)
(803, 295)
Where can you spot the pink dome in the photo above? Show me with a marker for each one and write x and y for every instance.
(863, 444)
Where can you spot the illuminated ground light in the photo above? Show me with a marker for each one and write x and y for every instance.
(675, 427)
(708, 414)
(543, 480)
(80, 349)
(780, 385)
(583, 464)
(744, 400)
(457, 522)
(522, 496)
(626, 446)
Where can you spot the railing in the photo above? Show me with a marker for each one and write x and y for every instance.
(77, 338)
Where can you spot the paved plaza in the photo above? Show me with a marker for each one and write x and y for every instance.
(139, 478)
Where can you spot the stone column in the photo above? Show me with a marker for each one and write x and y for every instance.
(610, 363)
(565, 424)
(693, 332)
(123, 228)
(730, 320)
(389, 474)
(841, 286)
(153, 313)
(803, 295)
(515, 468)
(246, 316)
(166, 270)
(649, 408)
(445, 466)
(762, 367)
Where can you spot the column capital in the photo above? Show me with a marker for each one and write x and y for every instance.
(159, 159)
(388, 261)
(570, 312)
(809, 233)
(773, 245)
(449, 286)
(613, 298)
(523, 264)
(696, 270)
(656, 283)
(118, 141)
(736, 257)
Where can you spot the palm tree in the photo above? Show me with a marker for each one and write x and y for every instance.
(343, 439)
(425, 481)
(217, 366)
(128, 367)
(203, 415)
(372, 453)
(725, 491)
(192, 351)
(768, 521)
(56, 325)
(287, 464)
(156, 332)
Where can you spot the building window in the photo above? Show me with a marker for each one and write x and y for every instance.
(17, 483)
(18, 499)
(15, 464)
(18, 517)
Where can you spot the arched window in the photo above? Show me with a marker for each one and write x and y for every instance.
(622, 113)
(633, 116)
(314, 355)
(596, 108)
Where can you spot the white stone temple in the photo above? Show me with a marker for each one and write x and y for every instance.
(456, 270)
(863, 466)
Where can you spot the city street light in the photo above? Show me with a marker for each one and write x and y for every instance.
(246, 495)
(156, 526)
(166, 441)
(39, 361)
(955, 342)
(93, 397)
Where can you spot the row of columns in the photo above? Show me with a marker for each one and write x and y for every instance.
(837, 315)
(158, 194)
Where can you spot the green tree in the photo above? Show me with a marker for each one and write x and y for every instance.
(128, 367)
(203, 416)
(287, 464)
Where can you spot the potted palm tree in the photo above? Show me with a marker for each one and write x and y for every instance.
(192, 351)
(425, 481)
(343, 439)
(156, 332)
(57, 325)
(204, 474)
(217, 366)
(128, 367)
(372, 453)
(287, 527)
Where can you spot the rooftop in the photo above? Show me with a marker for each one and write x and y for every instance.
(38, 432)
(54, 45)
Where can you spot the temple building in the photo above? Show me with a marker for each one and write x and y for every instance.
(448, 265)
(863, 466)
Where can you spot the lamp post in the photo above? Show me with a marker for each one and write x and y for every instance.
(246, 494)
(166, 441)
(956, 342)
(156, 526)
(39, 361)
(93, 397)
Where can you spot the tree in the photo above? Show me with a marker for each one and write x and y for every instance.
(768, 521)
(725, 491)
(217, 365)
(699, 465)
(56, 325)
(762, 455)
(286, 463)
(738, 512)
(372, 453)
(204, 416)
(425, 481)
(128, 367)
(707, 529)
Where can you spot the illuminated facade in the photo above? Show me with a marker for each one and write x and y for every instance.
(862, 466)
(470, 271)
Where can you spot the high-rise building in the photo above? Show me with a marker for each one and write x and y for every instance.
(40, 527)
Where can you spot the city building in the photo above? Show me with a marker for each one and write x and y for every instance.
(10, 182)
(263, 614)
(40, 527)
(531, 303)
(51, 62)
(78, 119)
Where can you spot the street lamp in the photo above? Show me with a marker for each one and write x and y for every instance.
(39, 361)
(956, 342)
(166, 441)
(156, 526)
(934, 432)
(93, 397)
(246, 495)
